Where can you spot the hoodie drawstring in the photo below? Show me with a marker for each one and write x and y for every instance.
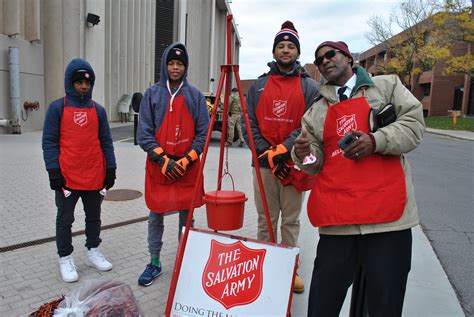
(171, 94)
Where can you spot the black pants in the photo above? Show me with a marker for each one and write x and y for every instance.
(91, 199)
(385, 259)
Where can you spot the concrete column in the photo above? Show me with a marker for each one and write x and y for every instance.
(107, 52)
(152, 45)
(181, 21)
(72, 31)
(114, 58)
(12, 17)
(1, 17)
(130, 46)
(212, 49)
(53, 42)
(94, 48)
(136, 47)
(32, 20)
(146, 78)
(142, 44)
(123, 43)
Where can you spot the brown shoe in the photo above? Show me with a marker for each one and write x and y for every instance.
(298, 285)
(241, 144)
(227, 143)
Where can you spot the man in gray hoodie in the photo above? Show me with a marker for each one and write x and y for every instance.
(172, 130)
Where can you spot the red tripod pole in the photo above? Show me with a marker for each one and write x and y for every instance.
(225, 75)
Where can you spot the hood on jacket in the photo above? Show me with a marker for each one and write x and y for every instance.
(73, 66)
(163, 67)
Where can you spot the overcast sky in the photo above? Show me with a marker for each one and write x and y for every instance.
(315, 20)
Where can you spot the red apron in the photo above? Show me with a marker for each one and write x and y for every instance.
(279, 111)
(370, 190)
(175, 136)
(81, 158)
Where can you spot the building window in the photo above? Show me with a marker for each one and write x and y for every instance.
(426, 89)
(458, 95)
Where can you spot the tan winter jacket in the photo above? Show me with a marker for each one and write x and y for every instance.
(398, 138)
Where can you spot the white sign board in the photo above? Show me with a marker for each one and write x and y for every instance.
(223, 276)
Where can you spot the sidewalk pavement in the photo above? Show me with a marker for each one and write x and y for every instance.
(464, 135)
(29, 275)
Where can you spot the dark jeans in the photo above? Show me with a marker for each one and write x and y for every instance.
(91, 199)
(385, 259)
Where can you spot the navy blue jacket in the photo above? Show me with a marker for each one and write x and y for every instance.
(52, 121)
(154, 105)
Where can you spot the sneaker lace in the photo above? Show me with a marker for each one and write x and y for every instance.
(97, 255)
(69, 265)
(150, 268)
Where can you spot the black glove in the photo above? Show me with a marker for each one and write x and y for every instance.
(281, 170)
(156, 154)
(56, 179)
(109, 180)
(170, 168)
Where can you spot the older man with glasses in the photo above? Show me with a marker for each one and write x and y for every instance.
(363, 201)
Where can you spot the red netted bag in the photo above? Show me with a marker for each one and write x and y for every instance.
(47, 309)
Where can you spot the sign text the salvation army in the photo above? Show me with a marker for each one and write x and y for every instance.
(233, 274)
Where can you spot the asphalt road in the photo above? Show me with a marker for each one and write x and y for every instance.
(443, 173)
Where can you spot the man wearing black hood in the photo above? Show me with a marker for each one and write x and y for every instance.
(80, 160)
(276, 103)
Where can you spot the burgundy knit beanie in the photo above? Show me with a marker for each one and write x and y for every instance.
(287, 33)
(340, 45)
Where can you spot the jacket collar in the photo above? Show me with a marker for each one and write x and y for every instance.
(363, 80)
(296, 71)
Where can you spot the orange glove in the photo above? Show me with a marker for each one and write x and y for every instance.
(271, 157)
(169, 168)
(188, 159)
(155, 154)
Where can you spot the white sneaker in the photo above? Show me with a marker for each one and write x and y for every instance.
(68, 269)
(95, 258)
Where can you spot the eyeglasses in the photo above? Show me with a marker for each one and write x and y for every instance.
(328, 55)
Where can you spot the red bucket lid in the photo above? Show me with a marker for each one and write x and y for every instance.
(228, 196)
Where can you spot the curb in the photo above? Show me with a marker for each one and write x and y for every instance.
(453, 134)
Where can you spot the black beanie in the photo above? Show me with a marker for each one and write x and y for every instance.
(178, 54)
(287, 33)
(82, 74)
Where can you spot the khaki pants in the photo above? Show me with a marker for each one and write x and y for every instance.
(234, 120)
(284, 200)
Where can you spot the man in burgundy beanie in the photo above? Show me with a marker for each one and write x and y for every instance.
(363, 200)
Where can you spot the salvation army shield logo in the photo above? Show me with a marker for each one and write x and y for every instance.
(177, 131)
(279, 107)
(233, 275)
(80, 118)
(346, 124)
